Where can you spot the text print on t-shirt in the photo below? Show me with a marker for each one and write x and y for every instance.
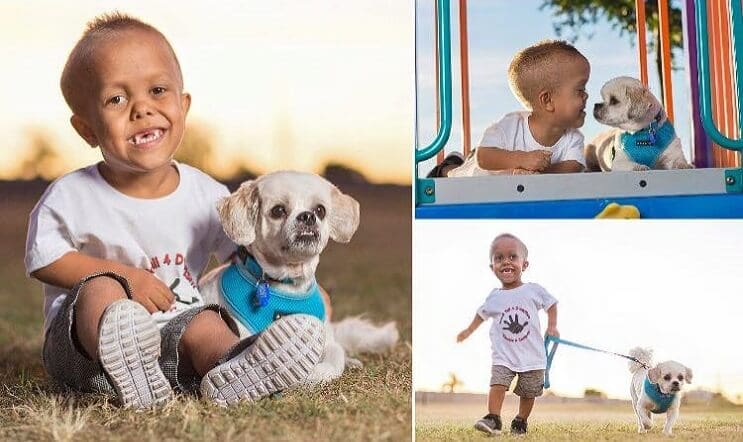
(176, 259)
(515, 325)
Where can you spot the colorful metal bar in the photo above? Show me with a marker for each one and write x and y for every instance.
(444, 88)
(464, 67)
(664, 25)
(642, 42)
(703, 61)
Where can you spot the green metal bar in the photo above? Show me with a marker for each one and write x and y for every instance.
(444, 90)
(700, 13)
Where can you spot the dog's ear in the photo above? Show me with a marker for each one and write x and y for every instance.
(654, 375)
(344, 216)
(689, 374)
(239, 213)
(640, 103)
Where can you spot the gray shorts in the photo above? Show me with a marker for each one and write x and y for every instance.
(67, 364)
(530, 384)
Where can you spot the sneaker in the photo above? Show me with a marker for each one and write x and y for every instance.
(280, 357)
(518, 425)
(128, 349)
(453, 159)
(490, 424)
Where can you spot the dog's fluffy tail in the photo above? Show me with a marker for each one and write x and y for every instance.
(358, 335)
(644, 355)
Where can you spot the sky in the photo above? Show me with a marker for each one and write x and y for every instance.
(673, 286)
(496, 31)
(280, 84)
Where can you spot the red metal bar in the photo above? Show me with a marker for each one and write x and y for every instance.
(642, 43)
(664, 25)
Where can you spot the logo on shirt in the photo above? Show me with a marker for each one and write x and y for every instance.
(514, 321)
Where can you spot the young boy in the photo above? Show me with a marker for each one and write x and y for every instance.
(119, 246)
(515, 336)
(549, 79)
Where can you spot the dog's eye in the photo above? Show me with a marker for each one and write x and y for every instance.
(320, 211)
(278, 211)
(681, 377)
(613, 100)
(667, 377)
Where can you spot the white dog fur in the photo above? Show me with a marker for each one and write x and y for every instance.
(268, 216)
(670, 377)
(628, 106)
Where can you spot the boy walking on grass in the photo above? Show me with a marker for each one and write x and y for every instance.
(515, 336)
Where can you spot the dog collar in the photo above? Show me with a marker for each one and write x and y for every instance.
(253, 303)
(646, 145)
(661, 400)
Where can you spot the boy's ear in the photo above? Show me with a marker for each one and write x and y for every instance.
(84, 130)
(545, 100)
(186, 102)
(526, 264)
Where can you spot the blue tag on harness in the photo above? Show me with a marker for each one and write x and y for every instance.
(262, 294)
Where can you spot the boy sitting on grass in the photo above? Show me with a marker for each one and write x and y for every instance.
(119, 246)
(549, 79)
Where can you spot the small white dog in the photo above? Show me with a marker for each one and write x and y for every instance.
(656, 390)
(643, 137)
(284, 220)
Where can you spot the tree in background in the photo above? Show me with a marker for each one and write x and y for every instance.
(576, 16)
(452, 384)
(41, 158)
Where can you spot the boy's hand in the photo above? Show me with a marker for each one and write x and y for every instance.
(149, 291)
(536, 160)
(552, 331)
(464, 334)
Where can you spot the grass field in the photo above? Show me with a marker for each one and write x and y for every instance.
(577, 422)
(371, 274)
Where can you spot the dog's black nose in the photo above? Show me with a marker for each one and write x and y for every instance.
(307, 218)
(597, 106)
(675, 383)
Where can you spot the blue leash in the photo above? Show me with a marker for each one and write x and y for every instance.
(551, 354)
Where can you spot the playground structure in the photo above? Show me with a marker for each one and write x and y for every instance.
(713, 33)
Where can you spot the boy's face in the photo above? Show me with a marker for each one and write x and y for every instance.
(135, 110)
(570, 96)
(509, 262)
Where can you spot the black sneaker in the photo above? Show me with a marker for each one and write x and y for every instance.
(453, 159)
(490, 424)
(518, 425)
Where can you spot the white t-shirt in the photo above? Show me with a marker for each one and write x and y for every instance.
(515, 336)
(173, 236)
(512, 133)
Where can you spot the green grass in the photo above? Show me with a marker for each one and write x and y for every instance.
(578, 422)
(371, 274)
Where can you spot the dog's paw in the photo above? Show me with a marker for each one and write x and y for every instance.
(640, 168)
(353, 363)
(323, 373)
(683, 165)
(647, 424)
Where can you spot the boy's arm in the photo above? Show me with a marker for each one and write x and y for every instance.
(494, 158)
(464, 334)
(552, 321)
(569, 166)
(68, 270)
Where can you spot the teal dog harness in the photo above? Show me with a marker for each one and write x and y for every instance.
(252, 302)
(645, 146)
(661, 400)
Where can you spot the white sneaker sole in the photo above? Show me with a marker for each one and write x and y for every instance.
(485, 429)
(129, 348)
(282, 357)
